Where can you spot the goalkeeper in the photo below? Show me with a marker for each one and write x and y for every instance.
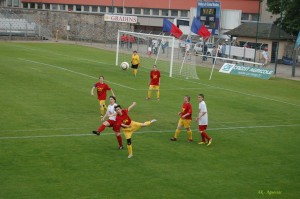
(135, 62)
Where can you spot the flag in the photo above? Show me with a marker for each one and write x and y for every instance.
(199, 28)
(297, 43)
(171, 28)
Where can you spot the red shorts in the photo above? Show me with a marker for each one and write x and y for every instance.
(112, 124)
(202, 127)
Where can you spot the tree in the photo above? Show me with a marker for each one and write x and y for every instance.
(289, 10)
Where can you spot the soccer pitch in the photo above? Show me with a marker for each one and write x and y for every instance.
(47, 115)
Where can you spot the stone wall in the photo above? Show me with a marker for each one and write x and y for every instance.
(83, 26)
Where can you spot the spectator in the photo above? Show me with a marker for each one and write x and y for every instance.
(131, 40)
(265, 56)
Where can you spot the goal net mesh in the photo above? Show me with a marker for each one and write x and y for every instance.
(166, 52)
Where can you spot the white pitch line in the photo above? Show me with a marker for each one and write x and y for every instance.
(54, 53)
(144, 132)
(252, 95)
(68, 70)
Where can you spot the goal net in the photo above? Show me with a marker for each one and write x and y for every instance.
(166, 52)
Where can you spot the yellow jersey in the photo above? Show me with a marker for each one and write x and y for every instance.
(135, 59)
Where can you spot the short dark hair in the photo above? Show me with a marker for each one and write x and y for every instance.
(113, 98)
(202, 95)
(118, 106)
(101, 76)
(135, 51)
(189, 98)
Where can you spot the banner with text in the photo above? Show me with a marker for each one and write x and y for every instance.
(238, 69)
(120, 18)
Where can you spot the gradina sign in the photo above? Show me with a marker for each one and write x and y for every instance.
(238, 69)
(120, 18)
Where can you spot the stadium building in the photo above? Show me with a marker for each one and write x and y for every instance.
(62, 16)
(150, 13)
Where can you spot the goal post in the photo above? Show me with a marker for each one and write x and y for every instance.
(164, 51)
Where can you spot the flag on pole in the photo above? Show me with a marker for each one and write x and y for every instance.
(171, 28)
(297, 43)
(199, 28)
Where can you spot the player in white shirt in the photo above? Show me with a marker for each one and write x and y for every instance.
(111, 114)
(265, 56)
(202, 120)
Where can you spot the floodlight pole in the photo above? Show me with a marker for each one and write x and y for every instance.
(276, 60)
(112, 6)
(256, 37)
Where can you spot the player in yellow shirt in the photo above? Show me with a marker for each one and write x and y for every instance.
(135, 62)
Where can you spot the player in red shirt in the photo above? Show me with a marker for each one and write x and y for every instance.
(184, 120)
(128, 126)
(102, 88)
(154, 82)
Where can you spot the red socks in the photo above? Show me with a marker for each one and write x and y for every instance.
(101, 128)
(119, 138)
(204, 135)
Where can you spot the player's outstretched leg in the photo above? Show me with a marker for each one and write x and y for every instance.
(100, 129)
(129, 148)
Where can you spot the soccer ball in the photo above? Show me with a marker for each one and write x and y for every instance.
(124, 65)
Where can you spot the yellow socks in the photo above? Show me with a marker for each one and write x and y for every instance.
(134, 72)
(149, 94)
(177, 132)
(190, 135)
(129, 148)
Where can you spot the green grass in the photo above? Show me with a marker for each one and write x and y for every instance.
(47, 114)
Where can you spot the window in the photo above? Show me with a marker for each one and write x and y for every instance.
(86, 8)
(39, 6)
(9, 2)
(128, 10)
(174, 13)
(78, 8)
(94, 9)
(70, 8)
(25, 5)
(47, 6)
(182, 22)
(32, 5)
(120, 10)
(146, 11)
(165, 12)
(137, 11)
(62, 7)
(245, 16)
(155, 12)
(15, 3)
(102, 9)
(110, 9)
(254, 17)
(184, 13)
(54, 7)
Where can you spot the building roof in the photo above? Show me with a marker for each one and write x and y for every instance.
(265, 31)
(247, 6)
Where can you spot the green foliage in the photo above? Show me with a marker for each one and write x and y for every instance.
(47, 115)
(289, 9)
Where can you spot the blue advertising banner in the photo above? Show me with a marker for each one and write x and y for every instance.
(249, 71)
(209, 14)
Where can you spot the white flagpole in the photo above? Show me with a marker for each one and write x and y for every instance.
(159, 48)
(214, 63)
(185, 52)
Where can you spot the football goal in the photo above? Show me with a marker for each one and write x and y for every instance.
(166, 52)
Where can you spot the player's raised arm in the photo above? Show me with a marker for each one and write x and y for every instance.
(131, 106)
(112, 92)
(92, 91)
